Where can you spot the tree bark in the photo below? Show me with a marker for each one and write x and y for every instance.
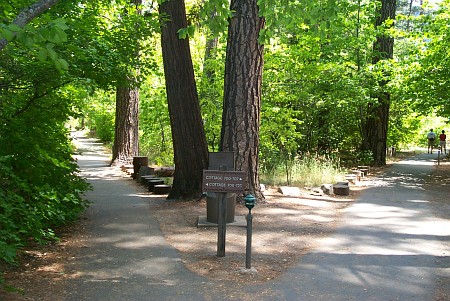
(28, 14)
(376, 124)
(189, 140)
(242, 95)
(126, 131)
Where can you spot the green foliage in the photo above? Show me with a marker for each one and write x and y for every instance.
(39, 186)
(41, 40)
(215, 15)
(365, 157)
(100, 115)
(156, 135)
(210, 88)
(39, 189)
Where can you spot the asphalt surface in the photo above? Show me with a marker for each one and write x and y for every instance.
(390, 246)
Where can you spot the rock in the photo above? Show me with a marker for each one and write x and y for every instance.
(316, 191)
(143, 171)
(290, 191)
(263, 187)
(327, 188)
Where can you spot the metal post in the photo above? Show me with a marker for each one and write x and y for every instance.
(221, 225)
(439, 156)
(248, 250)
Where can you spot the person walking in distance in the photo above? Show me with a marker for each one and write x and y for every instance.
(442, 142)
(431, 136)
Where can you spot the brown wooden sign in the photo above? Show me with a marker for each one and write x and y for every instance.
(223, 181)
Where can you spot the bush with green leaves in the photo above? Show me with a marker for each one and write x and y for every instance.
(40, 189)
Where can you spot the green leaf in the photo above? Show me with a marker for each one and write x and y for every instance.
(57, 35)
(191, 30)
(7, 34)
(63, 63)
(42, 55)
(14, 27)
(182, 33)
(52, 53)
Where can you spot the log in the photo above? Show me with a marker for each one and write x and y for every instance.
(341, 189)
(161, 189)
(151, 184)
(146, 178)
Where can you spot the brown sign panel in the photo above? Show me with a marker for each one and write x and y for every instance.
(221, 161)
(223, 181)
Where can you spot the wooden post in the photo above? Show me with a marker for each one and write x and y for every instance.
(221, 225)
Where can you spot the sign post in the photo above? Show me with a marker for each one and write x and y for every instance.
(221, 225)
(222, 182)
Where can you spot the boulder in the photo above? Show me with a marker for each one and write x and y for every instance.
(327, 188)
(290, 191)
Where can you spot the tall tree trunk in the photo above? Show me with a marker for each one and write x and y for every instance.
(189, 141)
(377, 120)
(242, 95)
(126, 132)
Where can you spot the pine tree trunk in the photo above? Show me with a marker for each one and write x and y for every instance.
(126, 132)
(242, 95)
(126, 137)
(376, 124)
(189, 141)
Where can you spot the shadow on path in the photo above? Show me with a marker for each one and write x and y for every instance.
(389, 247)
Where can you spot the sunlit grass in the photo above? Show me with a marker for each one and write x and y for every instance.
(306, 172)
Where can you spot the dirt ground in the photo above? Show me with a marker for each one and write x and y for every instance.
(284, 228)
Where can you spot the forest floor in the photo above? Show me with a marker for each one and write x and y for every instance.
(285, 228)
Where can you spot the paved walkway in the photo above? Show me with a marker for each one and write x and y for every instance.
(389, 247)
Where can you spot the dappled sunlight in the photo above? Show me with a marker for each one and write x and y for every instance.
(388, 237)
(416, 162)
(301, 243)
(318, 218)
(363, 275)
(369, 212)
(107, 270)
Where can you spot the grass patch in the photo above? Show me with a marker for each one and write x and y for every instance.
(305, 172)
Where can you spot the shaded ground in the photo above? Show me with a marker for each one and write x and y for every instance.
(285, 228)
(438, 189)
